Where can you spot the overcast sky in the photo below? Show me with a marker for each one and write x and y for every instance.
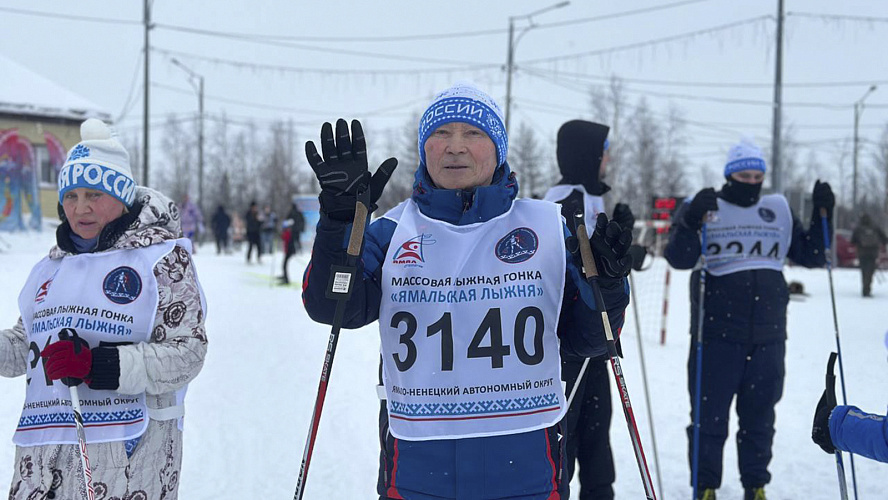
(381, 61)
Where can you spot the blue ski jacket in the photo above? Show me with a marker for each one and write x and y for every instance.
(861, 433)
(745, 306)
(526, 466)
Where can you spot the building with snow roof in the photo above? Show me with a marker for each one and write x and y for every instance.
(39, 121)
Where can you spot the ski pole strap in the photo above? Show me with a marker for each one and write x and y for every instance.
(342, 277)
(831, 379)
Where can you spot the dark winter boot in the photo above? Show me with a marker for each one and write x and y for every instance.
(755, 494)
(706, 494)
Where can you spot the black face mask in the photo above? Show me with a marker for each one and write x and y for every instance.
(741, 193)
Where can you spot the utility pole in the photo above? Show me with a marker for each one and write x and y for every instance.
(776, 168)
(200, 134)
(858, 110)
(509, 61)
(513, 42)
(147, 87)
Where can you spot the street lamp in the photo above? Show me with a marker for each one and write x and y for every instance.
(200, 138)
(513, 42)
(858, 110)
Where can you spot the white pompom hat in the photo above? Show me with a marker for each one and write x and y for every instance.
(98, 162)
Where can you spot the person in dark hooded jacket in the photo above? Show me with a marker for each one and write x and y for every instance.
(868, 238)
(582, 159)
(748, 237)
(473, 289)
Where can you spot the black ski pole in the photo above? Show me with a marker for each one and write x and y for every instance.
(832, 295)
(831, 403)
(591, 272)
(644, 378)
(340, 288)
(698, 381)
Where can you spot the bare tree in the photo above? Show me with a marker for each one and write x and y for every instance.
(278, 169)
(177, 173)
(403, 142)
(880, 162)
(528, 163)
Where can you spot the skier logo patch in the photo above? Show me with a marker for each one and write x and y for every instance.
(410, 254)
(122, 285)
(767, 214)
(517, 246)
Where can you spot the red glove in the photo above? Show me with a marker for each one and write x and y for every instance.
(63, 360)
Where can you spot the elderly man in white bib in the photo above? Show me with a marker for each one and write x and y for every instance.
(748, 239)
(470, 286)
(115, 309)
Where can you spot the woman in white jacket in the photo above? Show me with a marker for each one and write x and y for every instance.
(121, 284)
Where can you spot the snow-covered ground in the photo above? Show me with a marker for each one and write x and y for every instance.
(248, 411)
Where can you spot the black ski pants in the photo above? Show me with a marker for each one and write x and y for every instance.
(587, 425)
(752, 372)
(867, 270)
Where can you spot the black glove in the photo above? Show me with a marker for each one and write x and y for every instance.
(637, 252)
(623, 216)
(610, 245)
(343, 172)
(820, 429)
(704, 201)
(823, 197)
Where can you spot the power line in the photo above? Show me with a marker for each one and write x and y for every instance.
(655, 41)
(323, 71)
(414, 37)
(394, 109)
(314, 48)
(69, 17)
(131, 98)
(724, 100)
(685, 83)
(839, 17)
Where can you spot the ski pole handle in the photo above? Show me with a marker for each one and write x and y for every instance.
(357, 233)
(589, 267)
(825, 225)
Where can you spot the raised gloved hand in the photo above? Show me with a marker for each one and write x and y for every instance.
(343, 172)
(69, 359)
(823, 197)
(610, 245)
(704, 201)
(623, 216)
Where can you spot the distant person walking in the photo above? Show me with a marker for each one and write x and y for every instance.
(293, 226)
(191, 220)
(869, 239)
(254, 228)
(221, 222)
(269, 227)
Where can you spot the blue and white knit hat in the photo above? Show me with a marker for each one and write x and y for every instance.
(463, 102)
(744, 156)
(98, 162)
